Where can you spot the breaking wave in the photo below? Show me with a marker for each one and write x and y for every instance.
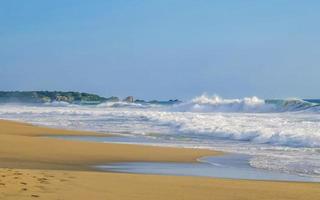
(206, 103)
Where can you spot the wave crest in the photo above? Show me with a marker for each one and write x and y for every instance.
(205, 103)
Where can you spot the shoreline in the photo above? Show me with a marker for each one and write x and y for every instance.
(33, 166)
(30, 149)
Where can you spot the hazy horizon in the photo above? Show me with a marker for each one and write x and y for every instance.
(162, 49)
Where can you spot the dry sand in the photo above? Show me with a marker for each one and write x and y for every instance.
(33, 167)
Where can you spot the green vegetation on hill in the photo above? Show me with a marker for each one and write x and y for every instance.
(48, 96)
(69, 97)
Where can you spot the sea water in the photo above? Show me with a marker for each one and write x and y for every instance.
(278, 135)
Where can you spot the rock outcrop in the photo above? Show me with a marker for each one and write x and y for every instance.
(128, 99)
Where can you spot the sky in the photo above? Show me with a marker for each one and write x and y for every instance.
(162, 49)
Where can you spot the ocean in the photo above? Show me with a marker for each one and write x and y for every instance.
(281, 135)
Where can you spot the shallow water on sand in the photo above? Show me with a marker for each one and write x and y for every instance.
(231, 166)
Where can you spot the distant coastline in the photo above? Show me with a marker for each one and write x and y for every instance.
(69, 97)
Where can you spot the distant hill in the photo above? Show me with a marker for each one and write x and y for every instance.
(69, 97)
(50, 96)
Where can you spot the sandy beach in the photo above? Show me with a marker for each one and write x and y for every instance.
(33, 167)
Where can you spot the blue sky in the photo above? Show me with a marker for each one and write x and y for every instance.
(162, 49)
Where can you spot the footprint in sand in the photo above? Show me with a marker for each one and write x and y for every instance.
(23, 183)
(40, 187)
(35, 195)
(43, 180)
(24, 189)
